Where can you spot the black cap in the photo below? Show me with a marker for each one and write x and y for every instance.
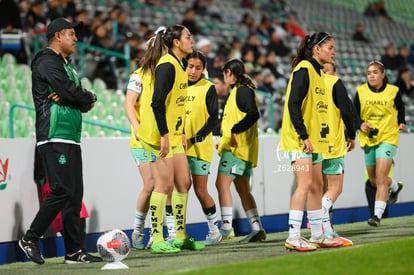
(59, 24)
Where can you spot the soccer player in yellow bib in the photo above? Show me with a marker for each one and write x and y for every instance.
(201, 118)
(238, 149)
(305, 136)
(333, 164)
(380, 107)
(161, 133)
(139, 78)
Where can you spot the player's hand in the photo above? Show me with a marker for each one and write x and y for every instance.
(54, 97)
(165, 146)
(233, 140)
(184, 140)
(350, 144)
(402, 127)
(365, 127)
(135, 133)
(307, 146)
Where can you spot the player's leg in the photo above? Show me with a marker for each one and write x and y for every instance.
(180, 194)
(395, 188)
(179, 201)
(329, 197)
(162, 172)
(384, 154)
(224, 180)
(333, 175)
(142, 204)
(302, 166)
(314, 206)
(199, 170)
(370, 191)
(382, 180)
(169, 220)
(242, 184)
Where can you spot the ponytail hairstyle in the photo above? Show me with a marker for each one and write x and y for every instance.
(155, 50)
(305, 48)
(381, 67)
(236, 66)
(173, 32)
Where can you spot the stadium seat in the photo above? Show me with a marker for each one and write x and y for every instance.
(338, 18)
(8, 59)
(86, 83)
(99, 85)
(4, 128)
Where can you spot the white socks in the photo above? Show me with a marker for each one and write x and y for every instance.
(393, 186)
(379, 208)
(254, 219)
(139, 221)
(226, 217)
(295, 222)
(326, 205)
(315, 221)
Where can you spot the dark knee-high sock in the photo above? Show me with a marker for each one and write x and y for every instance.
(370, 192)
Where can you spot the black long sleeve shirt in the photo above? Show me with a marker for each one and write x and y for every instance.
(349, 115)
(299, 90)
(212, 109)
(164, 81)
(245, 100)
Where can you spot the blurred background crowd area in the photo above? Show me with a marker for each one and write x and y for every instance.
(264, 34)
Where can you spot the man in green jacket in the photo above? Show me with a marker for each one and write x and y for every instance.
(59, 102)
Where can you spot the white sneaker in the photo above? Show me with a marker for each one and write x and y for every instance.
(325, 242)
(213, 238)
(137, 240)
(299, 243)
(335, 237)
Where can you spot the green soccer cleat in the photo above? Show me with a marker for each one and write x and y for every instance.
(188, 243)
(163, 248)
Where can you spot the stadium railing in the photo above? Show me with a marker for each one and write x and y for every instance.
(85, 120)
(270, 108)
